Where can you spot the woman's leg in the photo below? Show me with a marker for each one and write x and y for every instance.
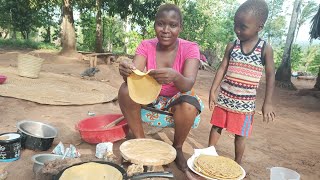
(183, 115)
(131, 111)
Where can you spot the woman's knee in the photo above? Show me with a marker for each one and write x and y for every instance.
(123, 90)
(186, 108)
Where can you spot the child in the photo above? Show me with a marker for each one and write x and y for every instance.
(175, 62)
(239, 75)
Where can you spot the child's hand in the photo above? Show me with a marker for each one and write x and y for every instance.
(268, 113)
(125, 68)
(212, 100)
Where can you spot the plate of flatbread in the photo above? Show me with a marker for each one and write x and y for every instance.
(216, 167)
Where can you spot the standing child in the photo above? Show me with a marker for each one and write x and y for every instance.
(239, 75)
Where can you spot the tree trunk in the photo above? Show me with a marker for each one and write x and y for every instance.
(68, 35)
(98, 47)
(283, 75)
(317, 85)
(48, 35)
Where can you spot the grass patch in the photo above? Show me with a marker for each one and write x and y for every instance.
(25, 44)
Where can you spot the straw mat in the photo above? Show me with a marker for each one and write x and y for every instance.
(55, 89)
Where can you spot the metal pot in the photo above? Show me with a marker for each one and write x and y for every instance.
(124, 173)
(40, 159)
(10, 146)
(36, 135)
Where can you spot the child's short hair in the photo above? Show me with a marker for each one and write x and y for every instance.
(169, 7)
(258, 7)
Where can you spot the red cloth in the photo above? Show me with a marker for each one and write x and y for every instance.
(239, 124)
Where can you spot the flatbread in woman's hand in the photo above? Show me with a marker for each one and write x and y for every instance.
(143, 89)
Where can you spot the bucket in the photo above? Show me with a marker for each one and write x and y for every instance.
(281, 173)
(10, 146)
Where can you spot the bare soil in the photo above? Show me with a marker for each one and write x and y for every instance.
(291, 141)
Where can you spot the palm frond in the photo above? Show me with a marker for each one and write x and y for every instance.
(315, 26)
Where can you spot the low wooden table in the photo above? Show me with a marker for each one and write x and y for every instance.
(93, 57)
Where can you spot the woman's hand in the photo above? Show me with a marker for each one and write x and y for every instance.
(126, 68)
(164, 75)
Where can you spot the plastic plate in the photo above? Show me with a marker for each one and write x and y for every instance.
(190, 165)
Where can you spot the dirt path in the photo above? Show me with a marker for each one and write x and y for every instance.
(292, 141)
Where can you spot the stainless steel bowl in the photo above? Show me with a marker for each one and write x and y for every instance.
(36, 135)
(37, 129)
(40, 159)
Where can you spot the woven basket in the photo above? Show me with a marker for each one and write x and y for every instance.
(29, 65)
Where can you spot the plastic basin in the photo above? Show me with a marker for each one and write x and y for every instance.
(2, 79)
(91, 130)
(281, 173)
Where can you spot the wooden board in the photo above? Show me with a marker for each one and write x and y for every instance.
(148, 152)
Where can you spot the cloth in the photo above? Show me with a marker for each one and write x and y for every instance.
(186, 50)
(159, 112)
(203, 58)
(238, 88)
(239, 124)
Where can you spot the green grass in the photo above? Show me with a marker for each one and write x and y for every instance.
(24, 44)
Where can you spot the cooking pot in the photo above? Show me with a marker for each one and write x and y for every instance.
(36, 135)
(124, 173)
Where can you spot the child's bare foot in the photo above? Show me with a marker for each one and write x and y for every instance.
(180, 161)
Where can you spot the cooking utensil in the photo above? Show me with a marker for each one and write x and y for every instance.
(10, 146)
(112, 124)
(36, 135)
(91, 132)
(124, 173)
(40, 159)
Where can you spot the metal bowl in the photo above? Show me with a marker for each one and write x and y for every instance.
(37, 129)
(40, 159)
(36, 135)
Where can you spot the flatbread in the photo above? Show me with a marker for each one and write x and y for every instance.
(90, 171)
(148, 152)
(218, 167)
(143, 89)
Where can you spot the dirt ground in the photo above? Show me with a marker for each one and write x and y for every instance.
(292, 141)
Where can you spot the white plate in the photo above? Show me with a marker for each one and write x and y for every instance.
(190, 165)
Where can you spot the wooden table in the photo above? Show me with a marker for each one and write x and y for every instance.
(93, 57)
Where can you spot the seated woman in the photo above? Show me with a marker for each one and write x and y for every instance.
(175, 62)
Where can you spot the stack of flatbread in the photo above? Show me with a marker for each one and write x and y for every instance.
(91, 171)
(217, 167)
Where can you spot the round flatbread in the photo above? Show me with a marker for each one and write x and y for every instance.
(143, 89)
(148, 152)
(90, 171)
(217, 167)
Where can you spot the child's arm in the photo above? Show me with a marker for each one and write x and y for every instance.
(219, 76)
(267, 110)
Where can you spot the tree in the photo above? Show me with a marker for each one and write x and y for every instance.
(68, 35)
(283, 74)
(98, 47)
(274, 28)
(308, 10)
(315, 34)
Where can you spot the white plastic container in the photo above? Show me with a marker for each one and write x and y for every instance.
(281, 173)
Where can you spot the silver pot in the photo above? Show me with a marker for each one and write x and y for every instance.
(40, 159)
(36, 135)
